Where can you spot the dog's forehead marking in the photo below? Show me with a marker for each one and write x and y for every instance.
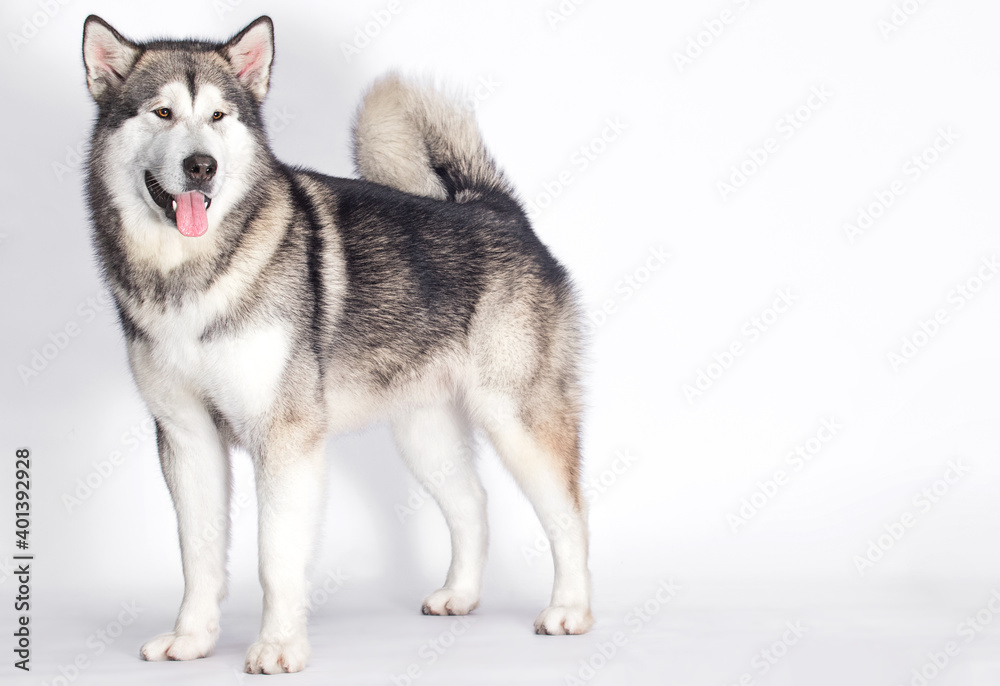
(179, 97)
(208, 100)
(158, 68)
(191, 85)
(204, 102)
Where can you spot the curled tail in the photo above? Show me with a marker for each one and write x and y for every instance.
(418, 140)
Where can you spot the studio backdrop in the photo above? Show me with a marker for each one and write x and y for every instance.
(781, 221)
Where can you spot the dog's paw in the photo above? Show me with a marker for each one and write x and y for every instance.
(174, 646)
(447, 601)
(558, 620)
(277, 657)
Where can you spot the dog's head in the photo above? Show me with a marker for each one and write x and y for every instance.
(179, 121)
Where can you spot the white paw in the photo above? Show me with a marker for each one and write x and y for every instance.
(277, 657)
(174, 646)
(447, 601)
(557, 620)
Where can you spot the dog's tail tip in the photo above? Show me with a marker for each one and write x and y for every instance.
(418, 139)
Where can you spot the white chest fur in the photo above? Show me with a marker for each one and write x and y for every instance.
(242, 372)
(238, 372)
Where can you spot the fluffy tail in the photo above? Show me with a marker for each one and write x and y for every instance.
(423, 142)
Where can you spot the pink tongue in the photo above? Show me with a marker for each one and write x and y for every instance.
(192, 220)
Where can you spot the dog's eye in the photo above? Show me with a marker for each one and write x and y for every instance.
(216, 116)
(162, 112)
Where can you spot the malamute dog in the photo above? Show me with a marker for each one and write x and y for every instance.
(265, 306)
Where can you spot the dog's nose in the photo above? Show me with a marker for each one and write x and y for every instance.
(200, 167)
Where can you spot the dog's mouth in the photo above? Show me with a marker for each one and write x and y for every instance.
(188, 210)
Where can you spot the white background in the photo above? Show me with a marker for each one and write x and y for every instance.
(547, 88)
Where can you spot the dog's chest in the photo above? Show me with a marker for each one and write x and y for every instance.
(238, 371)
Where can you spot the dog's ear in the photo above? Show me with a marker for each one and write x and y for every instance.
(250, 53)
(107, 55)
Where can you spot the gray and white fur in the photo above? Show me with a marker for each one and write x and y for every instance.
(265, 306)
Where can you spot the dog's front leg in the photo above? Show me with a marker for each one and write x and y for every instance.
(290, 485)
(195, 463)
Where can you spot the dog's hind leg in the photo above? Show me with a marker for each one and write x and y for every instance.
(541, 450)
(436, 444)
